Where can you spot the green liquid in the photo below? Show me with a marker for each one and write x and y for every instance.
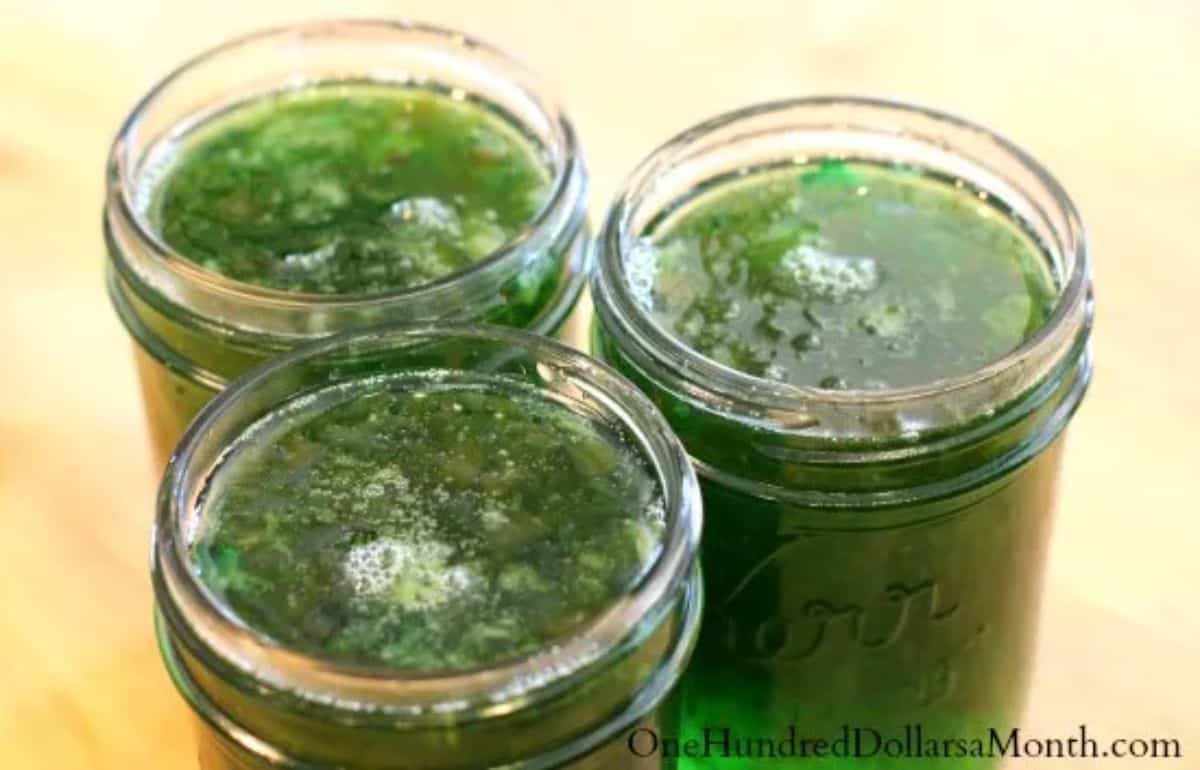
(843, 275)
(349, 189)
(812, 622)
(426, 523)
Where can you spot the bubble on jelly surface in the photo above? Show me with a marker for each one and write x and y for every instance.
(306, 261)
(656, 511)
(641, 270)
(413, 572)
(832, 277)
(424, 215)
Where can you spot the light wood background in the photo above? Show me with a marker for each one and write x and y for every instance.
(1107, 95)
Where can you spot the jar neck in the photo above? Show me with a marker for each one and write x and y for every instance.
(562, 699)
(767, 459)
(266, 728)
(214, 351)
(857, 446)
(171, 286)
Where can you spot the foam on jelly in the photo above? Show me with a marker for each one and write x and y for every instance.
(833, 277)
(309, 260)
(641, 270)
(414, 572)
(655, 511)
(424, 216)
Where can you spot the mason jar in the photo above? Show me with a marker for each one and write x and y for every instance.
(873, 558)
(195, 329)
(260, 703)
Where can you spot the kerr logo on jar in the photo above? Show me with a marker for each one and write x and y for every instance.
(821, 623)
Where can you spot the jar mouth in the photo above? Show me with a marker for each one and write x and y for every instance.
(211, 630)
(299, 61)
(849, 128)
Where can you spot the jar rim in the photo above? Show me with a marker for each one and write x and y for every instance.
(563, 210)
(396, 693)
(785, 404)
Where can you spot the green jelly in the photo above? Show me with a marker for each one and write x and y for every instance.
(349, 189)
(843, 275)
(426, 523)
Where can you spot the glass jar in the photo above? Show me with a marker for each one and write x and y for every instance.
(261, 705)
(195, 330)
(873, 559)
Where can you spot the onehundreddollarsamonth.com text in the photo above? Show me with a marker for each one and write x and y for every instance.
(911, 742)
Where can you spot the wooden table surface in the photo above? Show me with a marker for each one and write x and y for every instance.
(1104, 94)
